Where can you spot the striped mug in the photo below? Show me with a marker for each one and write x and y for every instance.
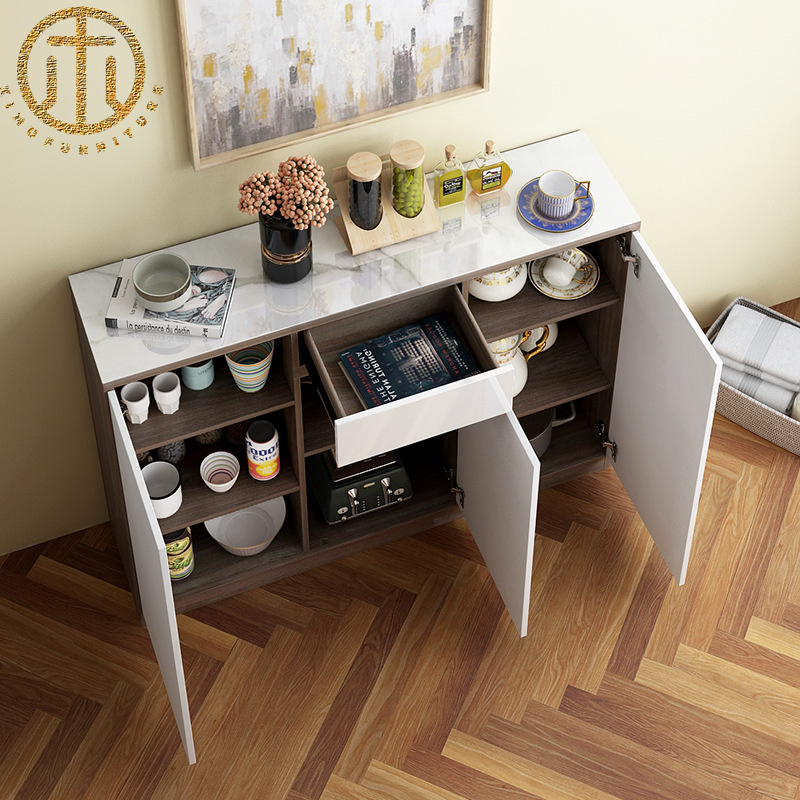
(558, 192)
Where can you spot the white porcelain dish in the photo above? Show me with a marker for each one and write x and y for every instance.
(248, 531)
(582, 284)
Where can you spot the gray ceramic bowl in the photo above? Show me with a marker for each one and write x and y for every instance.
(163, 281)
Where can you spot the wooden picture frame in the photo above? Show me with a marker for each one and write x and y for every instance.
(257, 80)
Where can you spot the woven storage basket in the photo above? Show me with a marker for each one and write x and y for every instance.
(762, 420)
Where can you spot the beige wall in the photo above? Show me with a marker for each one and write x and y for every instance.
(694, 106)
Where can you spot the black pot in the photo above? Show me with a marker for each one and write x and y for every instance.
(285, 251)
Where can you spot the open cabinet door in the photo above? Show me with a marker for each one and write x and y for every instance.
(665, 391)
(150, 559)
(499, 475)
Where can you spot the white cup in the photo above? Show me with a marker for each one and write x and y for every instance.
(559, 270)
(795, 413)
(137, 401)
(558, 273)
(167, 392)
(557, 193)
(163, 482)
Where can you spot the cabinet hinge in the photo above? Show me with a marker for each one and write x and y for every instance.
(600, 426)
(627, 256)
(454, 487)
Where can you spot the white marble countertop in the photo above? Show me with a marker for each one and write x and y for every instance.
(485, 234)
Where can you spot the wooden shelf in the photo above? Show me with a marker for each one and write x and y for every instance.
(201, 503)
(567, 371)
(530, 309)
(219, 574)
(432, 503)
(221, 404)
(575, 450)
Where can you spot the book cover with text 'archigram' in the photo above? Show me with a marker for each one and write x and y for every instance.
(407, 361)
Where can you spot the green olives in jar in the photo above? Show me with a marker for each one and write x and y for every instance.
(408, 179)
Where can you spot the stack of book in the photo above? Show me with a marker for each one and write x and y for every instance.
(203, 314)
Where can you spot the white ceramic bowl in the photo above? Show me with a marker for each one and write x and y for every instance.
(500, 285)
(163, 281)
(219, 471)
(248, 531)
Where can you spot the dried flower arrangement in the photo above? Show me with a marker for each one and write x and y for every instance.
(298, 192)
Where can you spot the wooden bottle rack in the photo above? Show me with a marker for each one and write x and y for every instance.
(393, 227)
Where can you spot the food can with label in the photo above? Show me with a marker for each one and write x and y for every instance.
(263, 454)
(180, 554)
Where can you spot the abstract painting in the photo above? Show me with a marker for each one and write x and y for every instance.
(261, 74)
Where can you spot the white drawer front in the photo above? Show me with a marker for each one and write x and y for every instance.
(424, 415)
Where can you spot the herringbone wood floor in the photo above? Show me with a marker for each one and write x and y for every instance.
(397, 674)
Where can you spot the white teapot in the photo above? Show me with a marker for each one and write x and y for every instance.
(510, 350)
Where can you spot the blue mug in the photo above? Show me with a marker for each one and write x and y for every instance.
(198, 376)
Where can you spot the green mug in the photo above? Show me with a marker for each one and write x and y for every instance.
(198, 376)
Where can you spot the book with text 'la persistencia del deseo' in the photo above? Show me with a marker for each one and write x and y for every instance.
(407, 361)
(203, 314)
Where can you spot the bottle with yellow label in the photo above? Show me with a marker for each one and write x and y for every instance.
(488, 172)
(449, 180)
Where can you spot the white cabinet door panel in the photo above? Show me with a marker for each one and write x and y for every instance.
(499, 474)
(152, 574)
(422, 416)
(664, 396)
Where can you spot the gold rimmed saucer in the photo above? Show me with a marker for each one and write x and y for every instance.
(583, 283)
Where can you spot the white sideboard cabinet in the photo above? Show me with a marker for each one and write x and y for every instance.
(629, 355)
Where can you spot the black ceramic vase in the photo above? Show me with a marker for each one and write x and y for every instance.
(285, 251)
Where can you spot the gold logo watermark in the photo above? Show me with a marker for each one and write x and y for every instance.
(71, 70)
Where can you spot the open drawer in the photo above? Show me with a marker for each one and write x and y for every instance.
(361, 433)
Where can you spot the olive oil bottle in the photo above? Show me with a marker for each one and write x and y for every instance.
(449, 181)
(488, 172)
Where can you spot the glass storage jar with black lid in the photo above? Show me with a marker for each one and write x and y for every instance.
(364, 188)
(407, 177)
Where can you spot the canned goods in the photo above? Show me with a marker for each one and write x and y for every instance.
(263, 454)
(180, 553)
